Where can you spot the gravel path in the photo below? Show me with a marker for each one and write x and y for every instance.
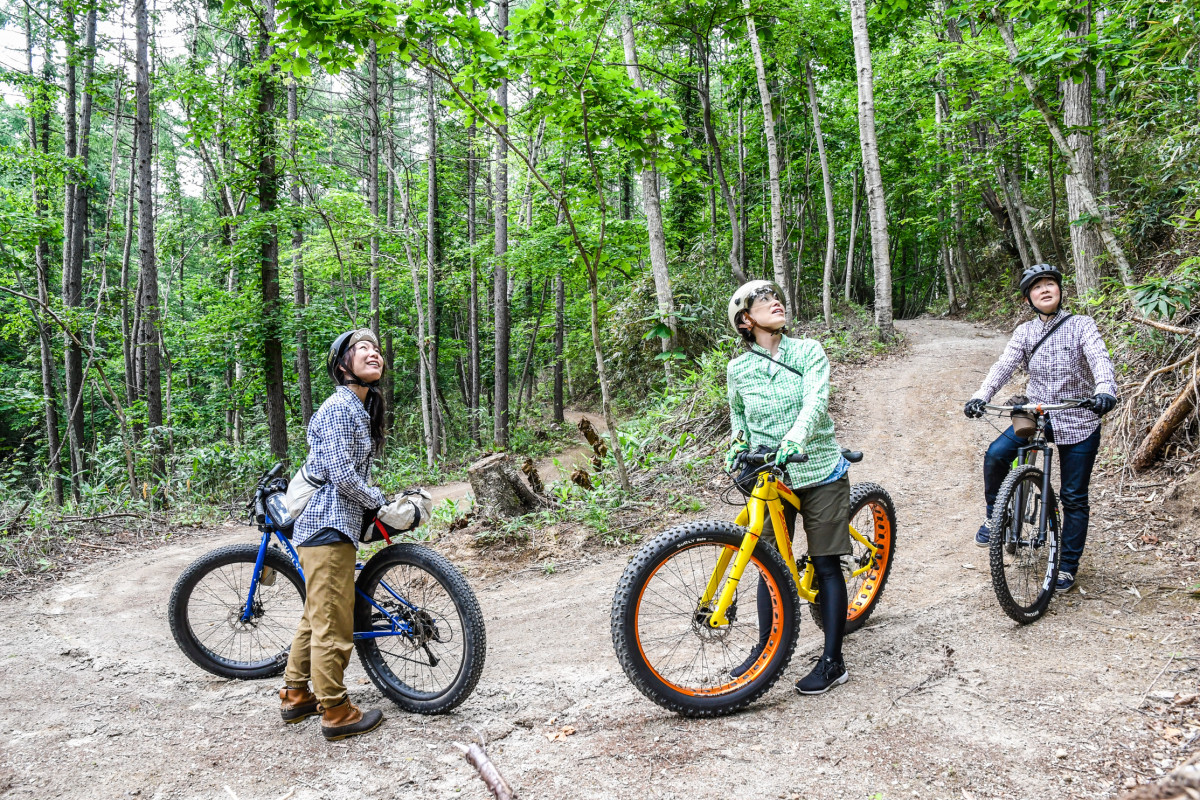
(947, 697)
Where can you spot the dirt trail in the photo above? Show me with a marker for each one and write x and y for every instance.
(947, 698)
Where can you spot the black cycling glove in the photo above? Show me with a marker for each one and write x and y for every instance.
(974, 408)
(1101, 404)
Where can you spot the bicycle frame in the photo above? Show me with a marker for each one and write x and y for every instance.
(766, 498)
(397, 627)
(1028, 455)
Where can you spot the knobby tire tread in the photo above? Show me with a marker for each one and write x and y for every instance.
(466, 604)
(860, 495)
(629, 588)
(1008, 604)
(182, 592)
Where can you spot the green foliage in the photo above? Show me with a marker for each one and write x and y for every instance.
(1167, 295)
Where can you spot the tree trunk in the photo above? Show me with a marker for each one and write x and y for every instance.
(943, 247)
(1054, 238)
(500, 250)
(855, 208)
(426, 400)
(433, 257)
(75, 222)
(303, 368)
(473, 402)
(743, 224)
(653, 209)
(39, 101)
(873, 177)
(1166, 425)
(268, 200)
(559, 337)
(779, 260)
(148, 277)
(710, 133)
(373, 177)
(1018, 196)
(1014, 220)
(830, 222)
(1083, 191)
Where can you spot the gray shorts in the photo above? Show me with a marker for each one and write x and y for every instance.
(826, 513)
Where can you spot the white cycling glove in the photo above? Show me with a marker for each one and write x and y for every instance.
(410, 509)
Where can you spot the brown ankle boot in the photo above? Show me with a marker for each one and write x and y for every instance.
(297, 704)
(346, 719)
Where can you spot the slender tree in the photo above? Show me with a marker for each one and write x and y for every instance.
(872, 175)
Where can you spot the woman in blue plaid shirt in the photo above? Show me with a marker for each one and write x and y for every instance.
(345, 434)
(1072, 362)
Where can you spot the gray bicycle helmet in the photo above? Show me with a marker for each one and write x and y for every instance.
(1035, 273)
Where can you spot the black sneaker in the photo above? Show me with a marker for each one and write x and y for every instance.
(825, 675)
(983, 536)
(741, 669)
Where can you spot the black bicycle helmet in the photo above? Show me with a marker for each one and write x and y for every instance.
(1035, 273)
(337, 354)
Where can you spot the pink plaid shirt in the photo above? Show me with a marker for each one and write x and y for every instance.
(1073, 363)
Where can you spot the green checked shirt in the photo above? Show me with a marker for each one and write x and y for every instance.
(784, 405)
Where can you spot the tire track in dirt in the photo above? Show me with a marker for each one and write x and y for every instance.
(947, 697)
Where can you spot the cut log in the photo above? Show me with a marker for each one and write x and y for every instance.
(1166, 425)
(499, 489)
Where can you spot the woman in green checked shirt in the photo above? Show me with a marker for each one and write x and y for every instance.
(779, 400)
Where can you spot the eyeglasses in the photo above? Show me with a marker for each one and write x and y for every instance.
(764, 294)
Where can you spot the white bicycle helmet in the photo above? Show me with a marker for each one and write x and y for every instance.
(745, 296)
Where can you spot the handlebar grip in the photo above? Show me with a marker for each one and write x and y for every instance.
(275, 470)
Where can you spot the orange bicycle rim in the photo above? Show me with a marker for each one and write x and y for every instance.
(774, 642)
(881, 527)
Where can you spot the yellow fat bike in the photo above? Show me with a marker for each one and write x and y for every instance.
(687, 621)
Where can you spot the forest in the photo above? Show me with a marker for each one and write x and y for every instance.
(548, 203)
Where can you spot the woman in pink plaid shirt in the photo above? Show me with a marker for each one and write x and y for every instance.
(1072, 362)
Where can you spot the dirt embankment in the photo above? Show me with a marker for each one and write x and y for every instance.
(947, 697)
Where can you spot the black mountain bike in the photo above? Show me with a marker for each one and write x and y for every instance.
(1026, 535)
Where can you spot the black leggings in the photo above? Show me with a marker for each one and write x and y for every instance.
(831, 590)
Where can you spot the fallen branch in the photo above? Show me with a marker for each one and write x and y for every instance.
(1166, 425)
(1163, 326)
(10, 525)
(477, 757)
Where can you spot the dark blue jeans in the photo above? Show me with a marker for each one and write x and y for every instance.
(1075, 470)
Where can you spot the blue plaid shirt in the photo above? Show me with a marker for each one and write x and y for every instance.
(339, 451)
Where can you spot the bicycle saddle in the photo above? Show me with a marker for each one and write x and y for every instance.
(853, 456)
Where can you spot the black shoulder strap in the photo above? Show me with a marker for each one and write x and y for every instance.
(1042, 340)
(780, 363)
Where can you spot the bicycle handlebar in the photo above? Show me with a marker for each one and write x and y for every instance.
(1040, 408)
(757, 459)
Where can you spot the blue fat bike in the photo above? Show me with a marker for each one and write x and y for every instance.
(418, 628)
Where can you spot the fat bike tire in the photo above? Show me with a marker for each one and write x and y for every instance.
(435, 666)
(207, 607)
(656, 604)
(873, 515)
(1024, 571)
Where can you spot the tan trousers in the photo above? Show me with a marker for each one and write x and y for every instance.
(322, 645)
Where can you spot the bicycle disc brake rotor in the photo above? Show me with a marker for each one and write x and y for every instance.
(705, 631)
(423, 625)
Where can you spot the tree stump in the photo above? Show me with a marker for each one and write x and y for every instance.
(500, 490)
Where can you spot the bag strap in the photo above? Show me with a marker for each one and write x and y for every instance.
(1042, 341)
(780, 363)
